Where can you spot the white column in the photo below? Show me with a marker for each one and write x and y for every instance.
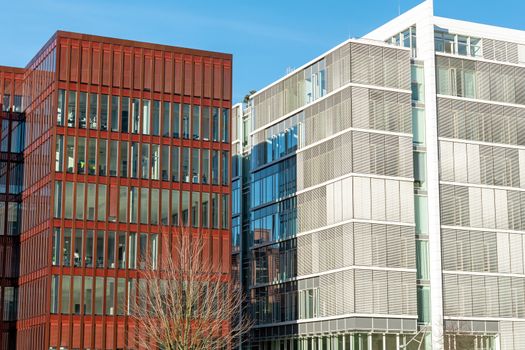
(426, 53)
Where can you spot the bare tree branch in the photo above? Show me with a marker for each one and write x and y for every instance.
(185, 302)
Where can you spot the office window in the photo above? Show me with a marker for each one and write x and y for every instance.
(59, 153)
(175, 200)
(58, 199)
(185, 208)
(55, 248)
(90, 248)
(186, 121)
(153, 251)
(135, 115)
(121, 296)
(99, 295)
(54, 294)
(66, 288)
(104, 110)
(185, 164)
(123, 204)
(68, 202)
(205, 211)
(100, 249)
(101, 212)
(144, 171)
(115, 112)
(155, 120)
(144, 205)
(132, 250)
(175, 165)
(70, 154)
(215, 210)
(165, 162)
(82, 110)
(66, 250)
(215, 167)
(123, 158)
(91, 188)
(225, 211)
(423, 270)
(134, 160)
(195, 207)
(205, 166)
(92, 156)
(195, 165)
(133, 204)
(215, 124)
(419, 125)
(205, 123)
(81, 155)
(475, 47)
(71, 108)
(77, 292)
(88, 296)
(124, 115)
(102, 157)
(175, 122)
(166, 119)
(93, 111)
(225, 166)
(225, 125)
(155, 161)
(154, 220)
(77, 255)
(113, 157)
(195, 115)
(80, 196)
(121, 250)
(164, 212)
(423, 304)
(60, 107)
(463, 46)
(111, 249)
(146, 117)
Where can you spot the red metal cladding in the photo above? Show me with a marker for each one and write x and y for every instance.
(125, 143)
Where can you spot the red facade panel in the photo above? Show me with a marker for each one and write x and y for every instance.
(122, 150)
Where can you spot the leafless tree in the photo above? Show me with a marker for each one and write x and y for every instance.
(187, 302)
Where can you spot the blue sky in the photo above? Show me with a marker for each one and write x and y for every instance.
(266, 37)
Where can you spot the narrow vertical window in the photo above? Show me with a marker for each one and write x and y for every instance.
(144, 205)
(121, 250)
(175, 200)
(205, 212)
(175, 122)
(104, 110)
(111, 249)
(215, 124)
(186, 121)
(99, 295)
(195, 127)
(123, 204)
(154, 220)
(146, 114)
(144, 171)
(102, 157)
(124, 159)
(225, 125)
(79, 245)
(225, 211)
(166, 119)
(215, 168)
(195, 208)
(195, 177)
(205, 123)
(92, 156)
(165, 207)
(66, 253)
(225, 168)
(135, 115)
(101, 205)
(88, 295)
(175, 165)
(155, 160)
(124, 115)
(165, 162)
(82, 110)
(100, 249)
(80, 196)
(71, 109)
(133, 204)
(134, 160)
(215, 210)
(58, 199)
(93, 111)
(81, 155)
(66, 288)
(61, 107)
(113, 157)
(185, 164)
(70, 154)
(185, 208)
(56, 247)
(90, 248)
(132, 250)
(91, 192)
(68, 202)
(205, 166)
(155, 119)
(115, 112)
(59, 153)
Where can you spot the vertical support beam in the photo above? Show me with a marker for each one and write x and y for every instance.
(426, 53)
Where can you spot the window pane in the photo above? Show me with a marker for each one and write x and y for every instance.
(154, 206)
(225, 125)
(90, 248)
(215, 124)
(68, 205)
(91, 188)
(101, 212)
(195, 207)
(70, 154)
(93, 111)
(195, 115)
(205, 166)
(110, 296)
(82, 110)
(113, 157)
(59, 153)
(123, 158)
(88, 296)
(61, 107)
(58, 199)
(77, 292)
(81, 155)
(135, 115)
(111, 249)
(165, 162)
(124, 115)
(166, 119)
(145, 161)
(92, 156)
(215, 210)
(102, 157)
(56, 247)
(165, 207)
(225, 211)
(133, 204)
(155, 160)
(195, 165)
(121, 250)
(146, 121)
(215, 168)
(144, 205)
(186, 121)
(205, 210)
(100, 248)
(185, 206)
(175, 208)
(185, 164)
(134, 159)
(99, 295)
(132, 250)
(123, 204)
(104, 110)
(175, 123)
(65, 294)
(205, 123)
(71, 108)
(155, 120)
(114, 112)
(66, 253)
(175, 164)
(80, 197)
(225, 168)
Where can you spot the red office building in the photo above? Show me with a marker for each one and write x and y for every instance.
(107, 147)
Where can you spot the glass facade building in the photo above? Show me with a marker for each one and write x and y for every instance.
(379, 193)
(122, 145)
